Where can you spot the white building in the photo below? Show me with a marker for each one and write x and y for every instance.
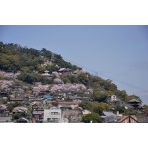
(113, 98)
(52, 115)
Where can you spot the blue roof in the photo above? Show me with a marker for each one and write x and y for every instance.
(47, 97)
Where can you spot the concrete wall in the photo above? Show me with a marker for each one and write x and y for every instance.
(52, 115)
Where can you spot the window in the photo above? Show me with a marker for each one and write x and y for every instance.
(56, 119)
(53, 119)
(55, 113)
(48, 119)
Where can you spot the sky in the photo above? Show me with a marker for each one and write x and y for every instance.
(119, 53)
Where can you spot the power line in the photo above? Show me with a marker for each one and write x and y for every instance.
(107, 77)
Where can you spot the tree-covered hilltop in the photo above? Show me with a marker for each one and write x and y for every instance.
(32, 63)
(15, 58)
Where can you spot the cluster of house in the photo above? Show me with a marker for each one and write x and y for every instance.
(60, 72)
(47, 109)
(44, 110)
(52, 110)
(44, 107)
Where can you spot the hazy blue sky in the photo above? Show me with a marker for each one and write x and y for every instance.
(119, 53)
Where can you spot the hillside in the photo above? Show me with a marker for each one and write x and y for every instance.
(35, 81)
(32, 65)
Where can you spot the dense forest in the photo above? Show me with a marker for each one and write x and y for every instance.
(31, 64)
(15, 58)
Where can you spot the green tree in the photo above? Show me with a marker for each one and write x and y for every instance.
(30, 77)
(16, 116)
(25, 69)
(66, 80)
(119, 108)
(99, 95)
(86, 105)
(145, 110)
(100, 107)
(93, 117)
(73, 79)
(13, 105)
(83, 78)
(122, 95)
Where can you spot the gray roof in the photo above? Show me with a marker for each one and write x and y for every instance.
(5, 119)
(108, 113)
(38, 112)
(3, 107)
(134, 100)
(143, 120)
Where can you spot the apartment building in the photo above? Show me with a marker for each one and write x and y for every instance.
(52, 115)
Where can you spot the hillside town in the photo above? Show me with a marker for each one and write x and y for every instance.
(57, 103)
(46, 91)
